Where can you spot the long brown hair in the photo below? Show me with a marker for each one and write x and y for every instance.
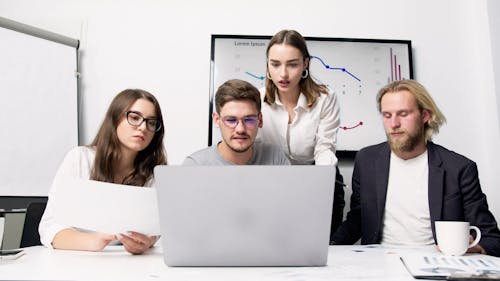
(107, 143)
(308, 87)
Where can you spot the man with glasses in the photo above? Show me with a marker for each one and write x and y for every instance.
(238, 116)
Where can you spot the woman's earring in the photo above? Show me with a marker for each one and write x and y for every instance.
(269, 76)
(305, 73)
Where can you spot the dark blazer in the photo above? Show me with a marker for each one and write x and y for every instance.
(454, 194)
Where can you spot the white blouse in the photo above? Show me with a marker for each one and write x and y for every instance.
(77, 163)
(312, 135)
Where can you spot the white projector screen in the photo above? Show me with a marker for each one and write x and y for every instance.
(39, 112)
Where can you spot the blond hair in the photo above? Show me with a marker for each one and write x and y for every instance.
(424, 102)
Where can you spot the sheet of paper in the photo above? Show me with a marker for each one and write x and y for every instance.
(439, 265)
(106, 207)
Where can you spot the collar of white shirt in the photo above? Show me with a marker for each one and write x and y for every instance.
(302, 102)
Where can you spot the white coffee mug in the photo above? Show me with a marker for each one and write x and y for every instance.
(453, 237)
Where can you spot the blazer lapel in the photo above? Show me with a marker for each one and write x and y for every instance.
(382, 164)
(436, 185)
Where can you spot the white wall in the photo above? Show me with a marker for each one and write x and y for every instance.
(164, 47)
(494, 21)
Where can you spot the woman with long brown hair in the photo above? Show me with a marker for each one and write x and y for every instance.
(127, 147)
(300, 115)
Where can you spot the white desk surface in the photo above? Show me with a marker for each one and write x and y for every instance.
(114, 263)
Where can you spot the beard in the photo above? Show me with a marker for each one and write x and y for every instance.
(239, 149)
(407, 142)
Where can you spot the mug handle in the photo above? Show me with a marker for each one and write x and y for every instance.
(478, 236)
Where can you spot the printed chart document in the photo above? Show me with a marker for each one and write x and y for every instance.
(439, 266)
(105, 207)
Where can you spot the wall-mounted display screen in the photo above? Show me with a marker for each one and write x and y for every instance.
(354, 70)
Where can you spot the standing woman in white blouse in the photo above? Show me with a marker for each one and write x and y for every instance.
(299, 114)
(127, 147)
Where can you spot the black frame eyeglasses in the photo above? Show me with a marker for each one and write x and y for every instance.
(249, 122)
(135, 118)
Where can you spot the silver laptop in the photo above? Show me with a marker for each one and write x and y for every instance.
(245, 215)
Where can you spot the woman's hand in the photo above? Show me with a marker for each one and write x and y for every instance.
(136, 243)
(100, 241)
(71, 239)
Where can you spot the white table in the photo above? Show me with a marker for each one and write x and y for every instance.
(114, 263)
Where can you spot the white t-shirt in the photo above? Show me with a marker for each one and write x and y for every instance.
(312, 135)
(407, 218)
